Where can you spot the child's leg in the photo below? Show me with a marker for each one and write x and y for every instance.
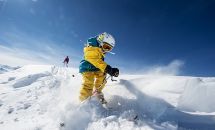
(100, 81)
(87, 85)
(99, 84)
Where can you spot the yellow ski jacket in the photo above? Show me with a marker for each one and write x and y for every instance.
(93, 60)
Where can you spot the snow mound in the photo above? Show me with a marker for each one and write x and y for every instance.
(6, 68)
(198, 96)
(28, 80)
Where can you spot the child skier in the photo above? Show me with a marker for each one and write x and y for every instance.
(94, 69)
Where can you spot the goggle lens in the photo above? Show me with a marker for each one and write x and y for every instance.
(107, 47)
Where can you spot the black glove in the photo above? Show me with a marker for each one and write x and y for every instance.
(112, 71)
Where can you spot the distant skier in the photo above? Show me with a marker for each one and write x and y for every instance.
(66, 61)
(94, 69)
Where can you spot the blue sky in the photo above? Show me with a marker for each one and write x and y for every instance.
(150, 34)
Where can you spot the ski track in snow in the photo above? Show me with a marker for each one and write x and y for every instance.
(43, 97)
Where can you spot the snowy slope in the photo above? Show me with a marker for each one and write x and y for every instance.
(38, 97)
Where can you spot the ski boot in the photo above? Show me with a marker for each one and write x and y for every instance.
(100, 97)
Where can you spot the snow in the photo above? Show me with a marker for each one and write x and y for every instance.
(200, 94)
(43, 97)
(6, 68)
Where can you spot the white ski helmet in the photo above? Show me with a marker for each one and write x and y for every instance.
(105, 38)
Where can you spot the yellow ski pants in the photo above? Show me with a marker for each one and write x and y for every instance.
(90, 81)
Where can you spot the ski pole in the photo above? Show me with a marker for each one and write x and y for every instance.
(96, 90)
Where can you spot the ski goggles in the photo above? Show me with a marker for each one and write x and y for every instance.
(106, 47)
